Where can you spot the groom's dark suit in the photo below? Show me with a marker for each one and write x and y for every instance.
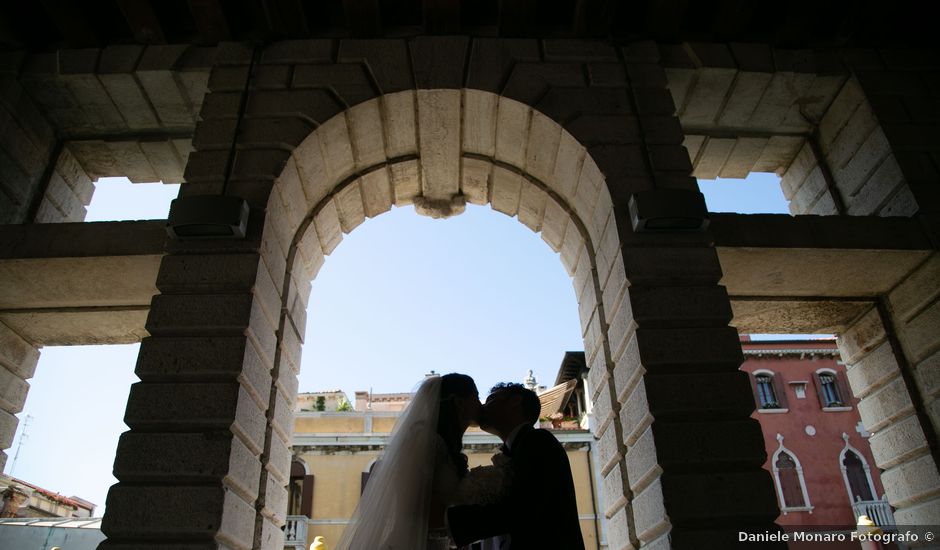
(540, 511)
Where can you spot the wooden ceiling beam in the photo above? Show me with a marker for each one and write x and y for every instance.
(143, 21)
(517, 18)
(441, 16)
(363, 17)
(70, 20)
(210, 21)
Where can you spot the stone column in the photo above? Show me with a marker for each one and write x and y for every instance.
(681, 457)
(894, 369)
(189, 468)
(18, 360)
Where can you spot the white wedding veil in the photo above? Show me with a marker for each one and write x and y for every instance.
(393, 511)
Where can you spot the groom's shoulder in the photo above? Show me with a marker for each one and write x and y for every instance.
(544, 437)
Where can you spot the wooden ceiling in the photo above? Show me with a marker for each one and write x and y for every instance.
(45, 25)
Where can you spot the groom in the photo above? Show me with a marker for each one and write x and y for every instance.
(539, 510)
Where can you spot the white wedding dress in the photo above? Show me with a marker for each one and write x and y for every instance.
(393, 511)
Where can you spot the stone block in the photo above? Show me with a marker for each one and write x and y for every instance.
(279, 459)
(609, 450)
(228, 79)
(712, 157)
(618, 531)
(366, 134)
(848, 141)
(273, 133)
(532, 203)
(606, 74)
(923, 513)
(259, 165)
(654, 266)
(898, 442)
(680, 307)
(863, 163)
(432, 60)
(705, 102)
(886, 405)
(873, 371)
(512, 124)
(883, 183)
(614, 492)
(571, 248)
(8, 423)
(204, 273)
(203, 458)
(271, 534)
(861, 338)
(387, 61)
(188, 406)
(299, 51)
(406, 184)
(927, 376)
(479, 122)
(316, 106)
(274, 505)
(193, 314)
(554, 225)
(635, 415)
(162, 156)
(439, 142)
(204, 359)
(130, 99)
(641, 462)
(349, 208)
(724, 395)
(376, 192)
(178, 513)
(717, 446)
(911, 482)
(568, 164)
(13, 391)
(725, 498)
(544, 138)
(597, 382)
(350, 81)
(919, 336)
(169, 100)
(778, 154)
(16, 354)
(778, 99)
(491, 59)
(398, 117)
(649, 512)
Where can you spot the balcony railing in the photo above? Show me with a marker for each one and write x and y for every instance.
(295, 532)
(879, 511)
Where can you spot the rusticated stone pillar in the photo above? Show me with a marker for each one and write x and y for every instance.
(18, 360)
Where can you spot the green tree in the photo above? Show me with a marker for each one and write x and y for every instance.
(321, 403)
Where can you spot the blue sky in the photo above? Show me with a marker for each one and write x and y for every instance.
(402, 294)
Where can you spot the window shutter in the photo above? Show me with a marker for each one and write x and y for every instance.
(844, 393)
(781, 391)
(819, 389)
(753, 378)
(306, 498)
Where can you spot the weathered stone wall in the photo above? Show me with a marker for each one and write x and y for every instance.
(18, 360)
(561, 133)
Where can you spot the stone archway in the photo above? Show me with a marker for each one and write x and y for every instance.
(437, 150)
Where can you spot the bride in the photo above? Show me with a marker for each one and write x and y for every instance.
(421, 472)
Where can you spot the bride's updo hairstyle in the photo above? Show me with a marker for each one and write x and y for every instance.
(448, 421)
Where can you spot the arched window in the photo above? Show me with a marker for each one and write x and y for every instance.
(788, 476)
(768, 391)
(857, 475)
(300, 490)
(831, 389)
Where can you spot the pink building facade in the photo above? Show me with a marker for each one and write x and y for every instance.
(817, 448)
